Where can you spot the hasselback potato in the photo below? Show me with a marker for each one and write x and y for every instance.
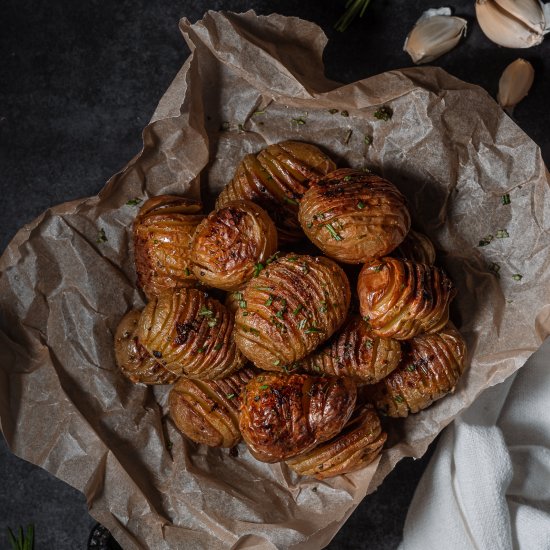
(191, 334)
(293, 305)
(133, 359)
(400, 298)
(207, 411)
(352, 215)
(356, 446)
(416, 247)
(285, 415)
(276, 178)
(162, 233)
(230, 242)
(355, 352)
(430, 368)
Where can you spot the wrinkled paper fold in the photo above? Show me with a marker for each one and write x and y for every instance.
(249, 79)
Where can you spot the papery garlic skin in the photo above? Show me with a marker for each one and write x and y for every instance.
(434, 34)
(512, 23)
(515, 83)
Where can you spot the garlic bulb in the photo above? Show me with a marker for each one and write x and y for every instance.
(515, 83)
(512, 23)
(435, 33)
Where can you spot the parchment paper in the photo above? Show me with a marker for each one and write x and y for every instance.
(448, 147)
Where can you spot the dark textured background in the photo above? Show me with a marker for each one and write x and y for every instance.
(79, 80)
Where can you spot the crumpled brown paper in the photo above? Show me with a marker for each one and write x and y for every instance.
(251, 81)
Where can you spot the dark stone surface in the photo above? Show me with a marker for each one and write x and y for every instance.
(79, 80)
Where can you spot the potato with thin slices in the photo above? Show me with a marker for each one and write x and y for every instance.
(133, 359)
(352, 215)
(356, 446)
(162, 233)
(293, 305)
(355, 352)
(429, 369)
(285, 415)
(207, 411)
(191, 334)
(276, 178)
(400, 299)
(228, 244)
(416, 247)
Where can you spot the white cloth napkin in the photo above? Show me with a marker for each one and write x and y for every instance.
(488, 484)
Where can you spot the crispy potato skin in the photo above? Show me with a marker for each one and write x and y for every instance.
(276, 178)
(207, 411)
(401, 299)
(163, 230)
(285, 415)
(230, 242)
(355, 352)
(356, 446)
(416, 247)
(430, 368)
(191, 333)
(133, 359)
(296, 303)
(353, 216)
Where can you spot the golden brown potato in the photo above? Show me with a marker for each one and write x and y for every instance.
(133, 359)
(400, 298)
(355, 352)
(356, 446)
(162, 233)
(353, 216)
(285, 415)
(207, 411)
(416, 247)
(292, 306)
(229, 243)
(191, 333)
(430, 368)
(276, 178)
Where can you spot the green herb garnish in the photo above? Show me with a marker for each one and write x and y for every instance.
(517, 277)
(212, 322)
(324, 307)
(384, 113)
(505, 199)
(299, 120)
(411, 367)
(230, 395)
(277, 362)
(101, 237)
(348, 137)
(368, 344)
(502, 234)
(367, 140)
(269, 301)
(486, 240)
(204, 311)
(202, 349)
(313, 330)
(297, 310)
(302, 323)
(134, 202)
(344, 113)
(495, 268)
(217, 347)
(264, 387)
(398, 399)
(242, 304)
(333, 232)
(257, 113)
(333, 111)
(360, 205)
(258, 269)
(187, 272)
(291, 201)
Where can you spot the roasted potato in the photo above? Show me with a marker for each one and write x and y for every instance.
(191, 334)
(230, 242)
(400, 299)
(416, 247)
(429, 369)
(162, 233)
(355, 352)
(356, 446)
(207, 411)
(353, 216)
(285, 415)
(292, 306)
(133, 359)
(276, 178)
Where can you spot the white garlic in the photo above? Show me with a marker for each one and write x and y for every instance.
(512, 23)
(435, 33)
(515, 83)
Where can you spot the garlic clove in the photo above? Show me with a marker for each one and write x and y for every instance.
(512, 23)
(435, 33)
(515, 83)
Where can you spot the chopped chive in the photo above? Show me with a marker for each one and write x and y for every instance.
(333, 232)
(297, 310)
(360, 205)
(344, 113)
(241, 128)
(398, 399)
(324, 307)
(269, 301)
(309, 225)
(302, 323)
(277, 362)
(202, 349)
(187, 272)
(292, 258)
(495, 268)
(242, 304)
(134, 202)
(258, 269)
(280, 313)
(333, 111)
(366, 318)
(212, 322)
(101, 237)
(411, 367)
(263, 288)
(258, 113)
(230, 395)
(264, 387)
(486, 240)
(367, 140)
(347, 178)
(204, 311)
(244, 313)
(313, 330)
(517, 277)
(290, 200)
(502, 234)
(238, 295)
(305, 268)
(368, 344)
(217, 347)
(384, 113)
(299, 120)
(348, 136)
(505, 199)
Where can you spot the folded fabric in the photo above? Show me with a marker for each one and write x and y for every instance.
(488, 484)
